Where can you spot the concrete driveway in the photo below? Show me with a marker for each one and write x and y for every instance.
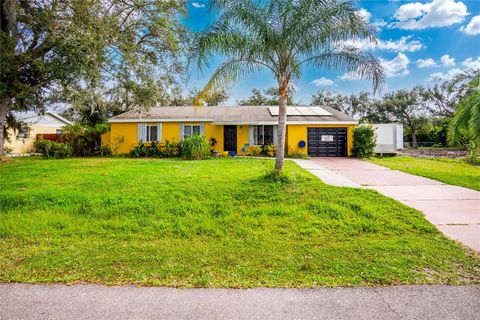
(454, 210)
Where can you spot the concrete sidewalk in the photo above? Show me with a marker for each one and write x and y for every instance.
(23, 301)
(454, 210)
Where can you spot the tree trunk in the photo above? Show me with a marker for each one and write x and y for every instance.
(4, 106)
(414, 139)
(282, 124)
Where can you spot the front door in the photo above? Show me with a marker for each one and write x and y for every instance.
(230, 138)
(327, 142)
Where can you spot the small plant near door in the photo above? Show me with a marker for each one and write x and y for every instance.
(212, 142)
(363, 141)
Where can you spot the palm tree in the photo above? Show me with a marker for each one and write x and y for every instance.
(283, 36)
(466, 120)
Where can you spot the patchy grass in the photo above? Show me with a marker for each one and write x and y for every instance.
(212, 223)
(451, 171)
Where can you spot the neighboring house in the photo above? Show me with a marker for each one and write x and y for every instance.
(22, 141)
(313, 130)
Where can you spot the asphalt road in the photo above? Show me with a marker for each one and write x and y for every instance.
(23, 301)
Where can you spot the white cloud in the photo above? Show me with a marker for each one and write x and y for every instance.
(471, 63)
(438, 13)
(426, 63)
(322, 82)
(364, 14)
(396, 67)
(367, 16)
(473, 27)
(440, 76)
(447, 61)
(404, 44)
(198, 5)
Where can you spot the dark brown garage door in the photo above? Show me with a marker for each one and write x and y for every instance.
(327, 142)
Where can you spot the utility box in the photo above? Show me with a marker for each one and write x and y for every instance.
(389, 137)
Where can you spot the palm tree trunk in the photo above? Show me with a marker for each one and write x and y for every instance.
(282, 125)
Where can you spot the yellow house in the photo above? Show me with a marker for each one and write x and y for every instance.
(318, 131)
(45, 124)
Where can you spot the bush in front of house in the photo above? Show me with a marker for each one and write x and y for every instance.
(170, 149)
(364, 141)
(85, 140)
(269, 150)
(194, 147)
(52, 149)
(253, 151)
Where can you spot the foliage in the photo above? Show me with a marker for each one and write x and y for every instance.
(297, 154)
(269, 97)
(85, 53)
(52, 149)
(269, 150)
(194, 147)
(279, 36)
(139, 151)
(212, 143)
(212, 223)
(85, 140)
(451, 171)
(357, 106)
(466, 121)
(170, 149)
(253, 151)
(364, 141)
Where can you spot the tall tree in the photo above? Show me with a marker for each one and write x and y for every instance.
(357, 106)
(466, 120)
(268, 97)
(405, 106)
(50, 45)
(283, 36)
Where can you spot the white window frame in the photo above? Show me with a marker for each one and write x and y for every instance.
(144, 132)
(261, 143)
(191, 126)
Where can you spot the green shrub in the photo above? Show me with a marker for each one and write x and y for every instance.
(85, 140)
(52, 149)
(269, 150)
(296, 154)
(139, 151)
(253, 151)
(363, 141)
(172, 149)
(194, 147)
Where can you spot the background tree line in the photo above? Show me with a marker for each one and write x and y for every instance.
(425, 111)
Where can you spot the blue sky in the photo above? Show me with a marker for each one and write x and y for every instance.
(419, 42)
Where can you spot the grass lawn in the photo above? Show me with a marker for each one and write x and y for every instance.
(212, 223)
(451, 171)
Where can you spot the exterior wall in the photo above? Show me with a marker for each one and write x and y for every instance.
(213, 131)
(123, 136)
(26, 145)
(170, 131)
(296, 133)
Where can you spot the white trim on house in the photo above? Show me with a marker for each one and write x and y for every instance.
(259, 123)
(158, 120)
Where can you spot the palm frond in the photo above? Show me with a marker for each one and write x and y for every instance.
(227, 73)
(352, 60)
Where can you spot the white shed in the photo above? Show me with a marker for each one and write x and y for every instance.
(389, 137)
